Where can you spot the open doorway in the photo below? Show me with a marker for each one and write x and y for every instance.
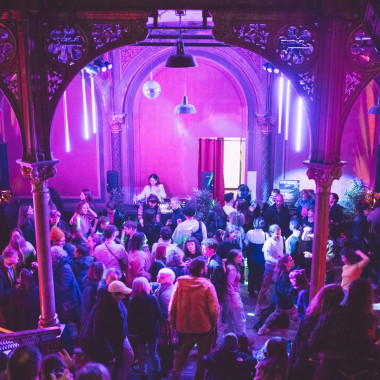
(234, 149)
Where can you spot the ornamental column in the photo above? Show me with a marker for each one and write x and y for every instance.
(116, 122)
(266, 124)
(323, 175)
(38, 174)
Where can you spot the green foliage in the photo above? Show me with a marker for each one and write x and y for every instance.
(118, 196)
(203, 202)
(355, 194)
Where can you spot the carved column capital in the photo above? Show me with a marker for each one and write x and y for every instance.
(267, 123)
(116, 122)
(324, 174)
(38, 172)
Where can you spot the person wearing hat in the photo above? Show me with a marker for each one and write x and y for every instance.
(104, 337)
(55, 220)
(57, 237)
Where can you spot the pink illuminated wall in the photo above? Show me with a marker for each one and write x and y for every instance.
(76, 169)
(167, 144)
(19, 184)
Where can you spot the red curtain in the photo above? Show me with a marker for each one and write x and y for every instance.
(210, 159)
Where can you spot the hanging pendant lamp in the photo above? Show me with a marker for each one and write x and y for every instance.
(185, 107)
(179, 58)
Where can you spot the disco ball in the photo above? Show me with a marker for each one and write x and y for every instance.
(151, 89)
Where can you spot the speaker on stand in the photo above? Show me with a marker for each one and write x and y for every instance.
(112, 181)
(4, 171)
(207, 181)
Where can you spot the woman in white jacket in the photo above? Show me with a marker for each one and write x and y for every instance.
(154, 187)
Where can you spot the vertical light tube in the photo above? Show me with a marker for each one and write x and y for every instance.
(287, 110)
(67, 137)
(85, 113)
(93, 105)
(299, 125)
(280, 101)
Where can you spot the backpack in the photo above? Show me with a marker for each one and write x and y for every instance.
(198, 234)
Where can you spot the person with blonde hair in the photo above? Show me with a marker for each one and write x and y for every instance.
(144, 313)
(167, 335)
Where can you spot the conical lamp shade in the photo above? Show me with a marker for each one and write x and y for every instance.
(180, 59)
(185, 107)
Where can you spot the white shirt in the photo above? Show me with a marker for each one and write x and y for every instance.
(185, 229)
(157, 190)
(228, 209)
(273, 250)
(257, 236)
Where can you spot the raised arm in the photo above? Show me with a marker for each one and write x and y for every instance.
(364, 257)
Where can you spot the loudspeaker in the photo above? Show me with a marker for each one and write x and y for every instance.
(112, 180)
(377, 181)
(207, 181)
(4, 172)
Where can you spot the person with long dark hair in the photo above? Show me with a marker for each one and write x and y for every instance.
(86, 196)
(150, 227)
(138, 261)
(231, 300)
(26, 252)
(152, 203)
(354, 262)
(82, 222)
(272, 360)
(192, 249)
(242, 206)
(255, 256)
(26, 224)
(284, 294)
(327, 299)
(217, 219)
(344, 339)
(154, 187)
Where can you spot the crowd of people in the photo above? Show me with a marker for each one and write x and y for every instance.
(143, 289)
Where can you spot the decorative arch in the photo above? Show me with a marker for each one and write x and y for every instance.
(246, 76)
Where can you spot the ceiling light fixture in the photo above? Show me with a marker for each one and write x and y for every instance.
(179, 58)
(185, 107)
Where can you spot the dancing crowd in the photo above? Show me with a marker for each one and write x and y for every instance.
(157, 287)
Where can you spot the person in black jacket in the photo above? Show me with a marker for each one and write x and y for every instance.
(66, 289)
(8, 281)
(177, 215)
(144, 313)
(104, 338)
(229, 242)
(278, 214)
(228, 362)
(215, 269)
(81, 263)
(91, 286)
(284, 294)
